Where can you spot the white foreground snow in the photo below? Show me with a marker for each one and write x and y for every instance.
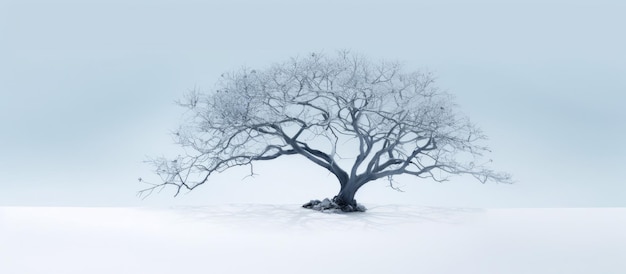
(289, 239)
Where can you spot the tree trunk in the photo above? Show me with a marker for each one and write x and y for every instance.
(345, 198)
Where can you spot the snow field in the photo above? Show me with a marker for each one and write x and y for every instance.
(289, 239)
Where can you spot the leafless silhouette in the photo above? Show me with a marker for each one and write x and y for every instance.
(337, 111)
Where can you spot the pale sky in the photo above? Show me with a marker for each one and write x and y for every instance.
(87, 91)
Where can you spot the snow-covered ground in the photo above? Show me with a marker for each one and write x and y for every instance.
(289, 239)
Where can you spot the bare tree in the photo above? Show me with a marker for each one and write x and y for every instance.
(331, 110)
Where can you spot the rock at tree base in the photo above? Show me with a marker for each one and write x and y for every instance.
(361, 208)
(330, 206)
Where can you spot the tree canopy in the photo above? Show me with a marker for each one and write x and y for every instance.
(360, 120)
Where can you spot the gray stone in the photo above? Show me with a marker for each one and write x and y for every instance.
(361, 208)
(311, 204)
(326, 204)
(329, 206)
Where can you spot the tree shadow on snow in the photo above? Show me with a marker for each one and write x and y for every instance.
(382, 217)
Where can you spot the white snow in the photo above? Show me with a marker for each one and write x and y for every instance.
(289, 239)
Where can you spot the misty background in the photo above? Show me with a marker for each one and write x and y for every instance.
(87, 91)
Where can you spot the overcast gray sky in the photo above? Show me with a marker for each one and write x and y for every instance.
(87, 91)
